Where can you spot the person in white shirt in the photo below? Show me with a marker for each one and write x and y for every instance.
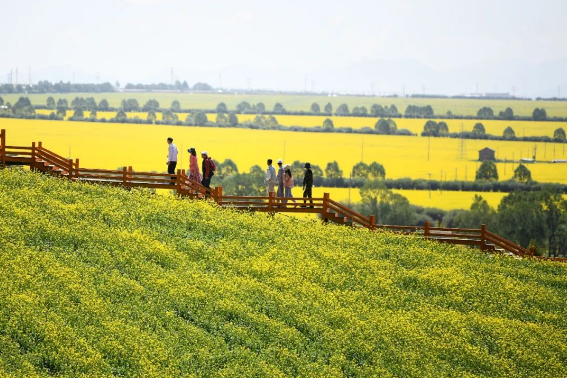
(270, 177)
(171, 158)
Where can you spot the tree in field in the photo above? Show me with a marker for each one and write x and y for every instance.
(342, 109)
(79, 113)
(443, 128)
(387, 206)
(130, 105)
(150, 105)
(23, 107)
(315, 108)
(232, 119)
(480, 213)
(376, 171)
(93, 114)
(226, 168)
(393, 126)
(152, 116)
(478, 129)
(260, 107)
(279, 108)
(377, 110)
(200, 118)
(2, 101)
(509, 133)
(243, 107)
(61, 112)
(329, 108)
(175, 106)
(487, 171)
(559, 134)
(507, 114)
(328, 124)
(62, 103)
(333, 171)
(102, 105)
(485, 112)
(221, 119)
(382, 126)
(169, 116)
(539, 114)
(360, 170)
(221, 108)
(431, 128)
(521, 218)
(393, 111)
(90, 104)
(50, 103)
(121, 115)
(522, 174)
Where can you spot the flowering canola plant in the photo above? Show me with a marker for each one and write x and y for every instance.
(98, 281)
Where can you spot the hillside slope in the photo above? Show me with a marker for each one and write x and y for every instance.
(100, 281)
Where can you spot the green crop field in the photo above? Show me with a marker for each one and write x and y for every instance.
(299, 102)
(99, 281)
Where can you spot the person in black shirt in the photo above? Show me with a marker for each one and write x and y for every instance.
(308, 183)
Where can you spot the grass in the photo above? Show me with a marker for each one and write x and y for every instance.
(99, 281)
(303, 103)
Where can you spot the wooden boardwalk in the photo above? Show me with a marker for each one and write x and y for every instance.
(39, 158)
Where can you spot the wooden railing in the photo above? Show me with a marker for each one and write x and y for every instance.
(44, 160)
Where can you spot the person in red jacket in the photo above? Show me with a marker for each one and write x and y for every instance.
(207, 170)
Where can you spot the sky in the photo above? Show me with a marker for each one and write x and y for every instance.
(411, 46)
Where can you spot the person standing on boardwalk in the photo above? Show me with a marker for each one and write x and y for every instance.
(308, 183)
(279, 178)
(270, 177)
(207, 170)
(171, 158)
(194, 173)
(288, 183)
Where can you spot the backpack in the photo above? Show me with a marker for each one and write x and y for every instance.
(212, 165)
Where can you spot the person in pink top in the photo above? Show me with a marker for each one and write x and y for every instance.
(288, 183)
(194, 173)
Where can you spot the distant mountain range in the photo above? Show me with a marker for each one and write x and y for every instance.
(363, 77)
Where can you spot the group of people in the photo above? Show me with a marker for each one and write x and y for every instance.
(284, 181)
(283, 178)
(208, 166)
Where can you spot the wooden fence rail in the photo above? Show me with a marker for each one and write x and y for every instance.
(41, 159)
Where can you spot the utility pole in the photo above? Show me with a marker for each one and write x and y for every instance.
(429, 185)
(16, 77)
(29, 76)
(362, 151)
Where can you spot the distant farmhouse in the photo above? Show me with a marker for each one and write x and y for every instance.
(486, 154)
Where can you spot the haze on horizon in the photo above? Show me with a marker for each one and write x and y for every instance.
(380, 47)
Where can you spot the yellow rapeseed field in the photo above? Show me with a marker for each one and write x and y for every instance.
(494, 127)
(144, 147)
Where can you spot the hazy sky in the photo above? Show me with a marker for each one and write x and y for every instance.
(139, 40)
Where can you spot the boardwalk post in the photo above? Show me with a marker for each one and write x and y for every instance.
(372, 222)
(76, 168)
(219, 195)
(326, 197)
(124, 175)
(32, 164)
(532, 250)
(426, 230)
(483, 237)
(3, 147)
(178, 181)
